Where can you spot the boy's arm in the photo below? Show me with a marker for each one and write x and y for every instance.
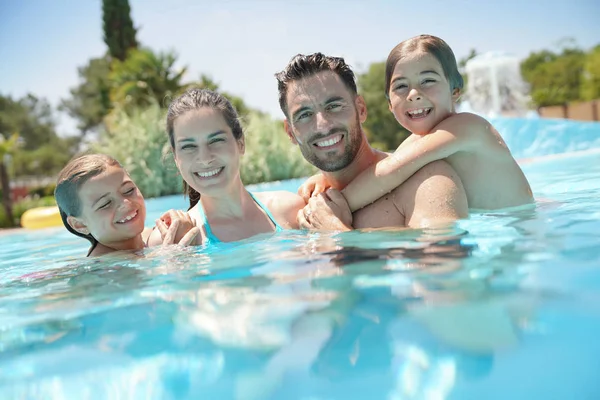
(460, 132)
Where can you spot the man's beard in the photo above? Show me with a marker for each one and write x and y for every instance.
(350, 149)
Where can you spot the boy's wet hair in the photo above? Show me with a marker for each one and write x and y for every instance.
(194, 99)
(70, 179)
(428, 44)
(303, 66)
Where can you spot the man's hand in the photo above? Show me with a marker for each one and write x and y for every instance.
(326, 211)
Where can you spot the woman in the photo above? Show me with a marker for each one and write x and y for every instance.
(207, 142)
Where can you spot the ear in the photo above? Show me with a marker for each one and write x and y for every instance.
(456, 94)
(78, 225)
(289, 131)
(361, 107)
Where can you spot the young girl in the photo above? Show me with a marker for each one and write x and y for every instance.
(207, 142)
(422, 86)
(98, 201)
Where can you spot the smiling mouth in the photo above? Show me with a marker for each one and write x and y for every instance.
(209, 174)
(128, 218)
(419, 113)
(329, 142)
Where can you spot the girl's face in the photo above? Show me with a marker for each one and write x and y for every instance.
(420, 95)
(206, 152)
(112, 208)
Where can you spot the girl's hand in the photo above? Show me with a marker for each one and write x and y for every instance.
(313, 186)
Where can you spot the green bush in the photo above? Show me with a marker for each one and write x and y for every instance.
(43, 191)
(270, 156)
(23, 205)
(138, 141)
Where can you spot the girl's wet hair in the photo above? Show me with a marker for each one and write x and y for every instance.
(427, 44)
(77, 172)
(195, 99)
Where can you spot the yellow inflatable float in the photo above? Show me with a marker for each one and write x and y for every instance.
(41, 217)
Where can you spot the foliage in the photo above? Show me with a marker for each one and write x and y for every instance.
(590, 80)
(270, 156)
(555, 78)
(29, 117)
(90, 100)
(382, 129)
(21, 206)
(138, 141)
(144, 77)
(119, 33)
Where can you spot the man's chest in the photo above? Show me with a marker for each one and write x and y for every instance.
(381, 214)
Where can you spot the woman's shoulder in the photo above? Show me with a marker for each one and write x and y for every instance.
(280, 199)
(283, 205)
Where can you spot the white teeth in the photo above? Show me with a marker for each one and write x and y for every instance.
(127, 218)
(209, 173)
(329, 142)
(418, 112)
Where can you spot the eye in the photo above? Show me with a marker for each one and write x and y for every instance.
(303, 115)
(216, 140)
(427, 80)
(104, 206)
(400, 86)
(188, 146)
(334, 106)
(129, 191)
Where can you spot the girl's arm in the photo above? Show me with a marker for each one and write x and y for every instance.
(454, 134)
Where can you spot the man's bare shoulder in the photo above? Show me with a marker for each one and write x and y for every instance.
(435, 191)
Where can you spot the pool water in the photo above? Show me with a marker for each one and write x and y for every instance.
(503, 305)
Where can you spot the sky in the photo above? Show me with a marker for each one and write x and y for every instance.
(241, 43)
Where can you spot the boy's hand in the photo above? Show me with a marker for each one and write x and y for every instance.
(313, 186)
(177, 227)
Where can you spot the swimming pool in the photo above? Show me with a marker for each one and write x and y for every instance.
(504, 305)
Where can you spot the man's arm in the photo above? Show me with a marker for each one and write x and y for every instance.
(434, 195)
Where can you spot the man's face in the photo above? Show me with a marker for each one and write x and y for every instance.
(324, 119)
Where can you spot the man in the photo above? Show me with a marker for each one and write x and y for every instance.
(324, 116)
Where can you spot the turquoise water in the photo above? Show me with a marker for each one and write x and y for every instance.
(504, 305)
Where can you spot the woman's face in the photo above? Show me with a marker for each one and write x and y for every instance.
(206, 152)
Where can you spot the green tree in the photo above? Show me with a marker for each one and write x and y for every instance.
(145, 77)
(590, 80)
(554, 78)
(382, 129)
(43, 152)
(90, 100)
(30, 117)
(119, 33)
(8, 146)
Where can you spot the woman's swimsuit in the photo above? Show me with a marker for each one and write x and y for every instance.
(210, 236)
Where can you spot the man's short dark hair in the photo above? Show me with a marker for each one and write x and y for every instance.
(302, 66)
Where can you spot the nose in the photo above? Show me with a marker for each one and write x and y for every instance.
(204, 156)
(125, 203)
(322, 123)
(413, 95)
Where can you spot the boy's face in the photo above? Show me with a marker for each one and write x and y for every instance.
(324, 118)
(420, 95)
(112, 207)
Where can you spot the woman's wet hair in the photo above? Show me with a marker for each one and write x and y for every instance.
(196, 99)
(70, 179)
